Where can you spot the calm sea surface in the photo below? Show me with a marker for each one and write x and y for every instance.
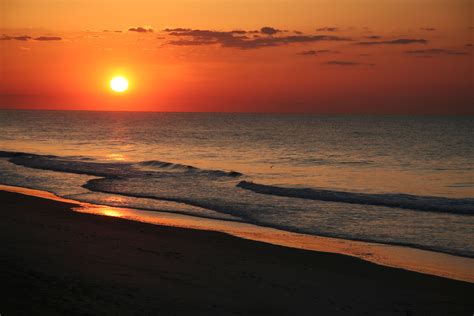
(390, 179)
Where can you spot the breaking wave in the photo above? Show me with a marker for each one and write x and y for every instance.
(405, 201)
(83, 165)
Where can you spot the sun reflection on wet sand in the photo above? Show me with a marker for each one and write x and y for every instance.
(459, 268)
(108, 211)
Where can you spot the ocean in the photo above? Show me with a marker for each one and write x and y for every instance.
(402, 180)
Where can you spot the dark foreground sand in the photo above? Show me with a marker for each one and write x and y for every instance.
(56, 261)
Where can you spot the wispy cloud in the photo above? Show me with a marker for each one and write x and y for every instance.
(400, 41)
(48, 38)
(346, 63)
(328, 29)
(436, 51)
(374, 37)
(238, 32)
(428, 29)
(16, 38)
(317, 52)
(178, 29)
(27, 38)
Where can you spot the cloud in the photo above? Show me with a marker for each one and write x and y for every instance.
(341, 63)
(317, 52)
(178, 29)
(26, 38)
(328, 29)
(48, 38)
(16, 38)
(22, 38)
(233, 40)
(424, 56)
(202, 37)
(346, 63)
(140, 29)
(190, 42)
(435, 51)
(400, 41)
(111, 31)
(308, 53)
(373, 37)
(269, 30)
(429, 29)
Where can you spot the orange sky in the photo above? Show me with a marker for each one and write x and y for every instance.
(322, 56)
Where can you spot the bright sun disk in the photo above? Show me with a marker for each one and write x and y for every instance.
(119, 84)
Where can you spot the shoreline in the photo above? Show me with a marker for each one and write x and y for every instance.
(395, 256)
(56, 261)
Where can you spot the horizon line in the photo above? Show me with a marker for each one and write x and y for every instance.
(244, 112)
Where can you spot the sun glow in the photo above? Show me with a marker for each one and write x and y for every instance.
(119, 84)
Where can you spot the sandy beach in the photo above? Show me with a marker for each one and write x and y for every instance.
(56, 261)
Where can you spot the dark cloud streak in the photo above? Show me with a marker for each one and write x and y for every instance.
(27, 38)
(178, 29)
(346, 63)
(140, 29)
(267, 30)
(435, 51)
(317, 52)
(328, 29)
(373, 37)
(400, 41)
(48, 38)
(16, 38)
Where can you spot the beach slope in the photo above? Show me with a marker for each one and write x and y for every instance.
(56, 261)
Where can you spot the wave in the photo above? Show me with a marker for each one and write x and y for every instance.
(405, 201)
(105, 169)
(54, 163)
(162, 165)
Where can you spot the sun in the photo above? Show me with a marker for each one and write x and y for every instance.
(119, 84)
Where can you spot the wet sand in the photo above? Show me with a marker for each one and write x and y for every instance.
(56, 261)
